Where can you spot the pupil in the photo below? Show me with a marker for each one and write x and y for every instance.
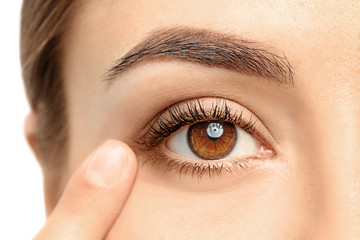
(214, 131)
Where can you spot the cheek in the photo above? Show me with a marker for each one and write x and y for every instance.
(258, 208)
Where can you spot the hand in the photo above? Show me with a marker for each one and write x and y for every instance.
(94, 196)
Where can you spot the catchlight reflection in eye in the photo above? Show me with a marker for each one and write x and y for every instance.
(213, 140)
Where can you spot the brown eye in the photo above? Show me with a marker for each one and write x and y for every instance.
(212, 140)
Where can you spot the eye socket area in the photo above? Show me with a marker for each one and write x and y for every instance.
(168, 136)
(213, 140)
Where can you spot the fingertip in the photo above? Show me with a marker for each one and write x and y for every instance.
(111, 162)
(129, 154)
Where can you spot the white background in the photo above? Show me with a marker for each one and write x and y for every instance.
(21, 195)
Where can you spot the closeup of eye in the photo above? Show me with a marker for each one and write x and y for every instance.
(213, 140)
(205, 136)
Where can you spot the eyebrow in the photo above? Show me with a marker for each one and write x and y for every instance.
(208, 48)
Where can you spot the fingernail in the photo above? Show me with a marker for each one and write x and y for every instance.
(107, 164)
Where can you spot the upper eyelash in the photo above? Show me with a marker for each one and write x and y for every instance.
(193, 113)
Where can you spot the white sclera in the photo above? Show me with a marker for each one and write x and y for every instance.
(246, 145)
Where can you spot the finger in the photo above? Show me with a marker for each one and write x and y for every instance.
(94, 195)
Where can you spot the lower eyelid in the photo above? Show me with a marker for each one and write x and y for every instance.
(164, 165)
(172, 166)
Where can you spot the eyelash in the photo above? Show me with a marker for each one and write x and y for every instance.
(192, 113)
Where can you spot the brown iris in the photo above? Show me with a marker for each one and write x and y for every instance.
(212, 140)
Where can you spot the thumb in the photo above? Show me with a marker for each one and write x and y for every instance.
(94, 196)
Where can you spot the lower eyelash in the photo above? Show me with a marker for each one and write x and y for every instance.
(193, 113)
(209, 169)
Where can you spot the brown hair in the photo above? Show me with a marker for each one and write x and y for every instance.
(43, 25)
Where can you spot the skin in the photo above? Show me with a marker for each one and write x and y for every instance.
(309, 189)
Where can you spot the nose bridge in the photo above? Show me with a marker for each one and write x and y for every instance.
(338, 143)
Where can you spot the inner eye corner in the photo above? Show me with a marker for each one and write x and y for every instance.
(266, 150)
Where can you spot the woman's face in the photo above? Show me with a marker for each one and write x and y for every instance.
(270, 90)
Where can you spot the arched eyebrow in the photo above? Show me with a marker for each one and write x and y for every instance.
(207, 48)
